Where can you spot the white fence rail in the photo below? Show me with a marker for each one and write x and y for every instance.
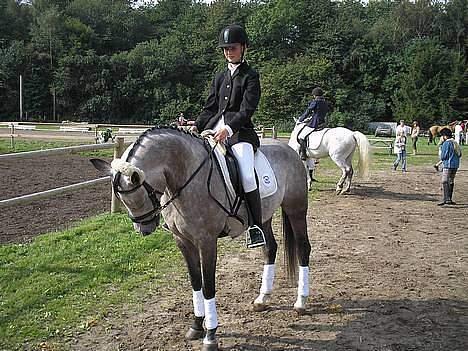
(49, 193)
(118, 147)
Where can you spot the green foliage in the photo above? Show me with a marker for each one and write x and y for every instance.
(287, 87)
(429, 80)
(116, 62)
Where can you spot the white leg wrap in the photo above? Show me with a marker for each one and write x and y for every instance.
(211, 317)
(267, 279)
(303, 283)
(198, 303)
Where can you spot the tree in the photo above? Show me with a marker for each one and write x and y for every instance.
(428, 82)
(287, 86)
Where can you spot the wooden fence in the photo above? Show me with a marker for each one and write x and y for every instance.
(118, 146)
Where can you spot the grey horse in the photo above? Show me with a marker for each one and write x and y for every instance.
(171, 172)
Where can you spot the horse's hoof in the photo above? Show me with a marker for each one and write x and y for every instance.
(210, 347)
(300, 305)
(260, 307)
(338, 192)
(194, 334)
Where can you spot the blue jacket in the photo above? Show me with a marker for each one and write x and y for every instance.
(450, 154)
(318, 108)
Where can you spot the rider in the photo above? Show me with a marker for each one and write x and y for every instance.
(233, 99)
(314, 116)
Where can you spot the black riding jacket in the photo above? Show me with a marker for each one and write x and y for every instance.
(236, 98)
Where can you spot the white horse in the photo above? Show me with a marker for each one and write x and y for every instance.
(338, 143)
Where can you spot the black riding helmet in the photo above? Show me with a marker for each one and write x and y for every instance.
(232, 34)
(317, 91)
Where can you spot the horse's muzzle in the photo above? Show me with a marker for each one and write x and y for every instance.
(148, 227)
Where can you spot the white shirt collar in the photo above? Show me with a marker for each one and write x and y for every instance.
(232, 67)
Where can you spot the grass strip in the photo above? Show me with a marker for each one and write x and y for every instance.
(64, 281)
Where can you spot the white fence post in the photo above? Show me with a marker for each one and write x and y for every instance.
(118, 151)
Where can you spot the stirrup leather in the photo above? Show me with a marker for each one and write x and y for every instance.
(254, 237)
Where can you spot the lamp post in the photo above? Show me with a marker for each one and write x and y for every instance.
(21, 97)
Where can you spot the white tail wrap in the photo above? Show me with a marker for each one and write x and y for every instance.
(198, 303)
(211, 316)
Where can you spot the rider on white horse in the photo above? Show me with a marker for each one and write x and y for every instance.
(315, 117)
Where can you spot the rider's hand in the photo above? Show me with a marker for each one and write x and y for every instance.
(221, 135)
(194, 129)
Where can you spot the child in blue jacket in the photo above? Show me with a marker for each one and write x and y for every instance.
(450, 153)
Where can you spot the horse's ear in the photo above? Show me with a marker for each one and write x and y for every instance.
(135, 178)
(102, 165)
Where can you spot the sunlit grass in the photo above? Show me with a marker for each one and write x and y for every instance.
(66, 280)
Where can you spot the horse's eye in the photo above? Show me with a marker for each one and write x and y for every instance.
(135, 178)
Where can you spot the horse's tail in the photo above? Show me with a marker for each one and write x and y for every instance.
(364, 154)
(290, 251)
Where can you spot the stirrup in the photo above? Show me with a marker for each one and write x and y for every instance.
(254, 237)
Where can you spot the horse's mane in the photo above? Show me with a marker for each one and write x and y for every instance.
(164, 129)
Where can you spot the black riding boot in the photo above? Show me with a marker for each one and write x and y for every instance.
(311, 175)
(445, 187)
(303, 149)
(255, 236)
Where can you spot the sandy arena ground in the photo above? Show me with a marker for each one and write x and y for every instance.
(389, 269)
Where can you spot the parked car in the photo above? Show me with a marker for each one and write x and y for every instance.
(383, 131)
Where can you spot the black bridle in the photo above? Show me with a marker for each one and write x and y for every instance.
(157, 207)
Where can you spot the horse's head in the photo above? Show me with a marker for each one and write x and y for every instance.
(138, 196)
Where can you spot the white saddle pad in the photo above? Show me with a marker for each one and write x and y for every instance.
(266, 177)
(314, 137)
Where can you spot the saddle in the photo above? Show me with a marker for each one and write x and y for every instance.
(229, 171)
(313, 137)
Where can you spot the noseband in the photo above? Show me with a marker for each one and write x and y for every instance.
(157, 208)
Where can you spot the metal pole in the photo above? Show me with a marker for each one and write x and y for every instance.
(118, 151)
(21, 96)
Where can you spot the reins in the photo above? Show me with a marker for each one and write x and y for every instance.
(157, 207)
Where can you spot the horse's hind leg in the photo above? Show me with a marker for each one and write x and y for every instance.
(295, 223)
(268, 276)
(349, 174)
(339, 185)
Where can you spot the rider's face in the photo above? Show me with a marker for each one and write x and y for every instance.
(233, 53)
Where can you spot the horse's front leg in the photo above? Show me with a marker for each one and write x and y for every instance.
(192, 259)
(208, 254)
(269, 252)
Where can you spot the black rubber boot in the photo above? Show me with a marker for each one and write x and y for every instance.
(450, 193)
(445, 187)
(255, 235)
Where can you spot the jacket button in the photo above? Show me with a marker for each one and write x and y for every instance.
(225, 98)
(228, 86)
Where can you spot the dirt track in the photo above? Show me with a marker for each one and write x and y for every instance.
(388, 270)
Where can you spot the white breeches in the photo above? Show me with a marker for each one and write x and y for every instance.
(244, 154)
